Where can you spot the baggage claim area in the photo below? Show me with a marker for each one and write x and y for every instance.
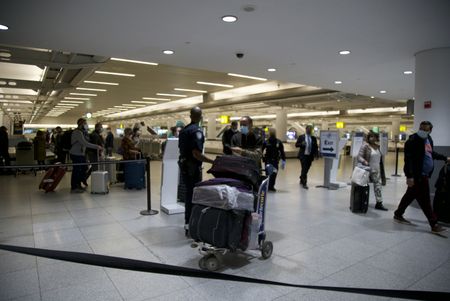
(300, 112)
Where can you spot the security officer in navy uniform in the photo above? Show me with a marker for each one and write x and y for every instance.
(273, 150)
(190, 143)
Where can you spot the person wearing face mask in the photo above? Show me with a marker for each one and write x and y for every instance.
(246, 142)
(369, 155)
(308, 151)
(419, 165)
(130, 151)
(274, 151)
(78, 154)
(226, 137)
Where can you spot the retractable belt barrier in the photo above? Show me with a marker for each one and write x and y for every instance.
(158, 268)
(148, 211)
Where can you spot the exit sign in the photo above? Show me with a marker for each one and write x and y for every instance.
(427, 104)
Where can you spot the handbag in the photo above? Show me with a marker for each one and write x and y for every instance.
(360, 176)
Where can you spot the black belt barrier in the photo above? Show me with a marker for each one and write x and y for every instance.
(158, 268)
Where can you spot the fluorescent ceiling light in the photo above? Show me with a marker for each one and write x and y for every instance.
(15, 101)
(11, 83)
(344, 52)
(372, 97)
(377, 110)
(71, 101)
(175, 95)
(18, 91)
(382, 91)
(337, 82)
(68, 104)
(132, 105)
(147, 102)
(3, 27)
(2, 82)
(91, 89)
(116, 73)
(190, 90)
(101, 83)
(271, 69)
(133, 61)
(21, 72)
(83, 94)
(247, 76)
(229, 19)
(317, 113)
(156, 98)
(215, 84)
(407, 72)
(5, 54)
(168, 51)
(77, 98)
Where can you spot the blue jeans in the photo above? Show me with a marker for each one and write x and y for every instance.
(78, 172)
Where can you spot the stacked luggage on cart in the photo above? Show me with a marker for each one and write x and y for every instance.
(228, 211)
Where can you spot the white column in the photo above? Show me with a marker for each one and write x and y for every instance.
(281, 125)
(395, 127)
(432, 84)
(211, 129)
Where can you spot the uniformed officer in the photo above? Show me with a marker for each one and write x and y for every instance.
(190, 143)
(273, 150)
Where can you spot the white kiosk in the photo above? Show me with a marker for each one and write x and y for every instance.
(170, 175)
(330, 148)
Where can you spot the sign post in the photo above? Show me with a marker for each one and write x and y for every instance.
(330, 146)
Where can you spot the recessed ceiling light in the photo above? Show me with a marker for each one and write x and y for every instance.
(146, 102)
(83, 94)
(190, 90)
(115, 73)
(247, 76)
(215, 84)
(91, 89)
(174, 95)
(133, 61)
(5, 54)
(344, 52)
(71, 101)
(382, 91)
(77, 98)
(3, 27)
(155, 98)
(11, 83)
(229, 19)
(271, 69)
(168, 51)
(372, 97)
(407, 72)
(88, 115)
(337, 82)
(2, 82)
(100, 83)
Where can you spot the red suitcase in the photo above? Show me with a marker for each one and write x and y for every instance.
(52, 178)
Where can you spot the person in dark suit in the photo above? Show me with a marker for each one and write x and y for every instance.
(308, 151)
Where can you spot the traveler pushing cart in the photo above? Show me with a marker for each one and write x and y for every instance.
(227, 216)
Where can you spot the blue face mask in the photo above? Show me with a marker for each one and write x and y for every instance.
(244, 130)
(422, 134)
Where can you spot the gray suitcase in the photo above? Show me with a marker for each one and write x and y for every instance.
(100, 180)
(111, 169)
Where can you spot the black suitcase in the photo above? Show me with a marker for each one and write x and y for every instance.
(220, 228)
(236, 167)
(359, 198)
(441, 201)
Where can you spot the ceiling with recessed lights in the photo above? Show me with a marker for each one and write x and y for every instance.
(299, 41)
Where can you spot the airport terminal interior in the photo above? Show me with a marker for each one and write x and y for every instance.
(344, 70)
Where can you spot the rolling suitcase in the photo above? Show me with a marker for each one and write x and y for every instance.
(111, 169)
(220, 228)
(99, 180)
(134, 175)
(52, 178)
(359, 198)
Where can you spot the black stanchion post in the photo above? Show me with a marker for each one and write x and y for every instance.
(149, 210)
(396, 161)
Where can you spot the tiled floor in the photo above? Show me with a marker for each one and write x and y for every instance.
(317, 240)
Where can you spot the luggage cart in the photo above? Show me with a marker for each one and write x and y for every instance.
(210, 253)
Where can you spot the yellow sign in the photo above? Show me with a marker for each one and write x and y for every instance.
(121, 126)
(224, 119)
(339, 125)
(403, 128)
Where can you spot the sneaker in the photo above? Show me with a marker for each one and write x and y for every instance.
(401, 220)
(438, 229)
(380, 206)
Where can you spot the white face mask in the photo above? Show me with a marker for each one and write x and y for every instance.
(423, 134)
(86, 127)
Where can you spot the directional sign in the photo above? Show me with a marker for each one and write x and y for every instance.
(329, 143)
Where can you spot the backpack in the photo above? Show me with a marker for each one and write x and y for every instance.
(66, 140)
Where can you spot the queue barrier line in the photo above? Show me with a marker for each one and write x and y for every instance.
(159, 268)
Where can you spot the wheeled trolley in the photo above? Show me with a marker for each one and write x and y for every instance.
(253, 231)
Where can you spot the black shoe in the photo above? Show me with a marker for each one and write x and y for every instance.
(272, 189)
(85, 183)
(380, 206)
(305, 186)
(401, 220)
